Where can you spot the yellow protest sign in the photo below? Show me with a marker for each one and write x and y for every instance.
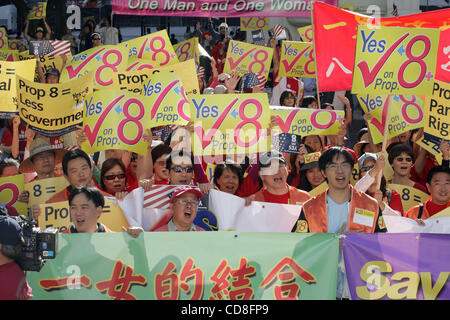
(297, 59)
(57, 215)
(16, 44)
(38, 12)
(431, 144)
(355, 174)
(254, 23)
(53, 109)
(9, 55)
(187, 49)
(406, 113)
(248, 58)
(47, 62)
(437, 110)
(10, 189)
(134, 81)
(395, 60)
(306, 122)
(410, 196)
(230, 124)
(442, 214)
(42, 190)
(8, 72)
(3, 38)
(319, 189)
(210, 171)
(306, 33)
(154, 48)
(116, 119)
(103, 62)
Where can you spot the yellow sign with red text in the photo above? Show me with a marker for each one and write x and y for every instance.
(255, 23)
(297, 59)
(10, 189)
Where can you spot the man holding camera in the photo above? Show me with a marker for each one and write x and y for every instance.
(13, 283)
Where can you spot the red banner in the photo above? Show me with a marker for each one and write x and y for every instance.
(335, 37)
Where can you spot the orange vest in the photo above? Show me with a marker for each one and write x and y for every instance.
(413, 213)
(296, 196)
(315, 211)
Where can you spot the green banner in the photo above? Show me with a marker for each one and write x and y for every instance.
(190, 265)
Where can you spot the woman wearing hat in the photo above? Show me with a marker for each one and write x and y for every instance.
(306, 176)
(39, 33)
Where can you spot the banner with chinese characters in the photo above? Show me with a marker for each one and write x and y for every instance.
(154, 48)
(248, 58)
(336, 28)
(57, 215)
(136, 81)
(8, 73)
(254, 23)
(187, 49)
(53, 109)
(388, 266)
(406, 113)
(230, 124)
(103, 62)
(218, 265)
(306, 122)
(10, 189)
(297, 59)
(306, 33)
(394, 60)
(437, 110)
(117, 119)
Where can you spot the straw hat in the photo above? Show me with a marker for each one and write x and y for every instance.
(359, 146)
(37, 146)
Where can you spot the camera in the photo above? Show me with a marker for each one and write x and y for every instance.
(37, 245)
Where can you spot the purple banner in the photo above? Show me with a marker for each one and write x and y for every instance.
(217, 8)
(398, 266)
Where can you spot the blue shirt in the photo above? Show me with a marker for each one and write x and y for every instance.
(337, 215)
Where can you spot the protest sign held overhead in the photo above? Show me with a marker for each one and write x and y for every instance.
(53, 109)
(254, 23)
(10, 189)
(437, 111)
(187, 49)
(297, 59)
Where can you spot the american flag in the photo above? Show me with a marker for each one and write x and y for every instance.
(158, 197)
(279, 32)
(262, 81)
(394, 11)
(60, 47)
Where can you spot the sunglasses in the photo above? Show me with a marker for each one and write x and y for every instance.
(406, 159)
(179, 169)
(364, 169)
(95, 38)
(113, 176)
(185, 202)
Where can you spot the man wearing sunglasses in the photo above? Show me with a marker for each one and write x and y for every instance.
(181, 168)
(96, 39)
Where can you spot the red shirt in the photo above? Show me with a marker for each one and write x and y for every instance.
(275, 198)
(13, 283)
(434, 208)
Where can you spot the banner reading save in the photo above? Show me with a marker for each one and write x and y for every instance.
(103, 61)
(411, 266)
(437, 110)
(117, 119)
(10, 189)
(187, 49)
(57, 215)
(406, 114)
(154, 48)
(297, 59)
(230, 124)
(136, 81)
(218, 265)
(53, 109)
(8, 72)
(248, 58)
(395, 60)
(254, 23)
(306, 122)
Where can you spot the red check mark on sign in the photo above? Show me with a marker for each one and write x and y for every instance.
(161, 97)
(285, 125)
(72, 73)
(369, 75)
(247, 23)
(288, 67)
(380, 125)
(206, 140)
(92, 134)
(234, 64)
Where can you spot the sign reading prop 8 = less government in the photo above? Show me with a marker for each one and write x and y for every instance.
(53, 109)
(395, 60)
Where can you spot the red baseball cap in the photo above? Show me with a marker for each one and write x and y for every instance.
(181, 190)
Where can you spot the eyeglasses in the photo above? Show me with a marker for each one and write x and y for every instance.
(342, 166)
(113, 176)
(185, 202)
(364, 169)
(400, 159)
(95, 38)
(179, 169)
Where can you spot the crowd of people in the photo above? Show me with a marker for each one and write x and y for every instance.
(268, 176)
